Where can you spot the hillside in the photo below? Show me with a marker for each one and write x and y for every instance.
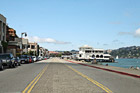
(127, 52)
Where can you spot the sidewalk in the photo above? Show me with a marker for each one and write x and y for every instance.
(130, 72)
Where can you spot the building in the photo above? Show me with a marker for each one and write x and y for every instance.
(24, 47)
(108, 51)
(10, 34)
(74, 51)
(34, 48)
(43, 52)
(54, 53)
(2, 32)
(14, 42)
(88, 53)
(15, 47)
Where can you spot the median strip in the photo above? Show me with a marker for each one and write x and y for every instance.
(31, 85)
(91, 80)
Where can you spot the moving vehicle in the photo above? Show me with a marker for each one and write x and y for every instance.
(8, 60)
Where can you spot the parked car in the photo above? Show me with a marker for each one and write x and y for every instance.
(24, 58)
(17, 59)
(8, 60)
(30, 59)
(39, 58)
(45, 58)
(1, 65)
(34, 58)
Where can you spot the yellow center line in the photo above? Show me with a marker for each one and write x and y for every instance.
(34, 81)
(91, 80)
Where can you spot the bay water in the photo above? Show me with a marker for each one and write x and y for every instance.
(125, 63)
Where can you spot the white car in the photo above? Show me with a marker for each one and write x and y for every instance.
(34, 58)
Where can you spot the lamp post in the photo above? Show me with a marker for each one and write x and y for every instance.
(24, 33)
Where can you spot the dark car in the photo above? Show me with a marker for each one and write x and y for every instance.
(18, 61)
(1, 65)
(24, 58)
(8, 60)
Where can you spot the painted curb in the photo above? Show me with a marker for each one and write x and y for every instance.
(119, 72)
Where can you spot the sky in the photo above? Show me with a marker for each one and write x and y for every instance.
(70, 24)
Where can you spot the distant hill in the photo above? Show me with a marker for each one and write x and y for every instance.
(126, 52)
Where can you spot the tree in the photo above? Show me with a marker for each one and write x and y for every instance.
(5, 45)
(31, 53)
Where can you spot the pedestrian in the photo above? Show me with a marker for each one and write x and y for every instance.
(131, 67)
(94, 61)
(137, 68)
(106, 64)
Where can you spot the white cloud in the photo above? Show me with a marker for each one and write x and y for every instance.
(45, 40)
(137, 33)
(126, 33)
(134, 34)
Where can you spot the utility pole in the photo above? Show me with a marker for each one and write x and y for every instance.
(24, 33)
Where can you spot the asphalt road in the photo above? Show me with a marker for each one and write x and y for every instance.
(58, 76)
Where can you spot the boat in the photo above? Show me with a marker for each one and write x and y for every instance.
(117, 57)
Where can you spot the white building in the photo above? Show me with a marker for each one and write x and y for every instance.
(43, 52)
(89, 53)
(2, 31)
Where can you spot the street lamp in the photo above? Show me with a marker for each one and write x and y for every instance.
(24, 33)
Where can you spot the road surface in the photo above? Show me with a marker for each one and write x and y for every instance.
(59, 76)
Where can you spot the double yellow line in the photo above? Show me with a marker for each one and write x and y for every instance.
(31, 85)
(91, 80)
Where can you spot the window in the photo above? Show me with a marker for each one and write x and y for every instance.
(101, 56)
(96, 51)
(101, 51)
(97, 56)
(87, 51)
(23, 47)
(106, 56)
(32, 47)
(28, 46)
(3, 38)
